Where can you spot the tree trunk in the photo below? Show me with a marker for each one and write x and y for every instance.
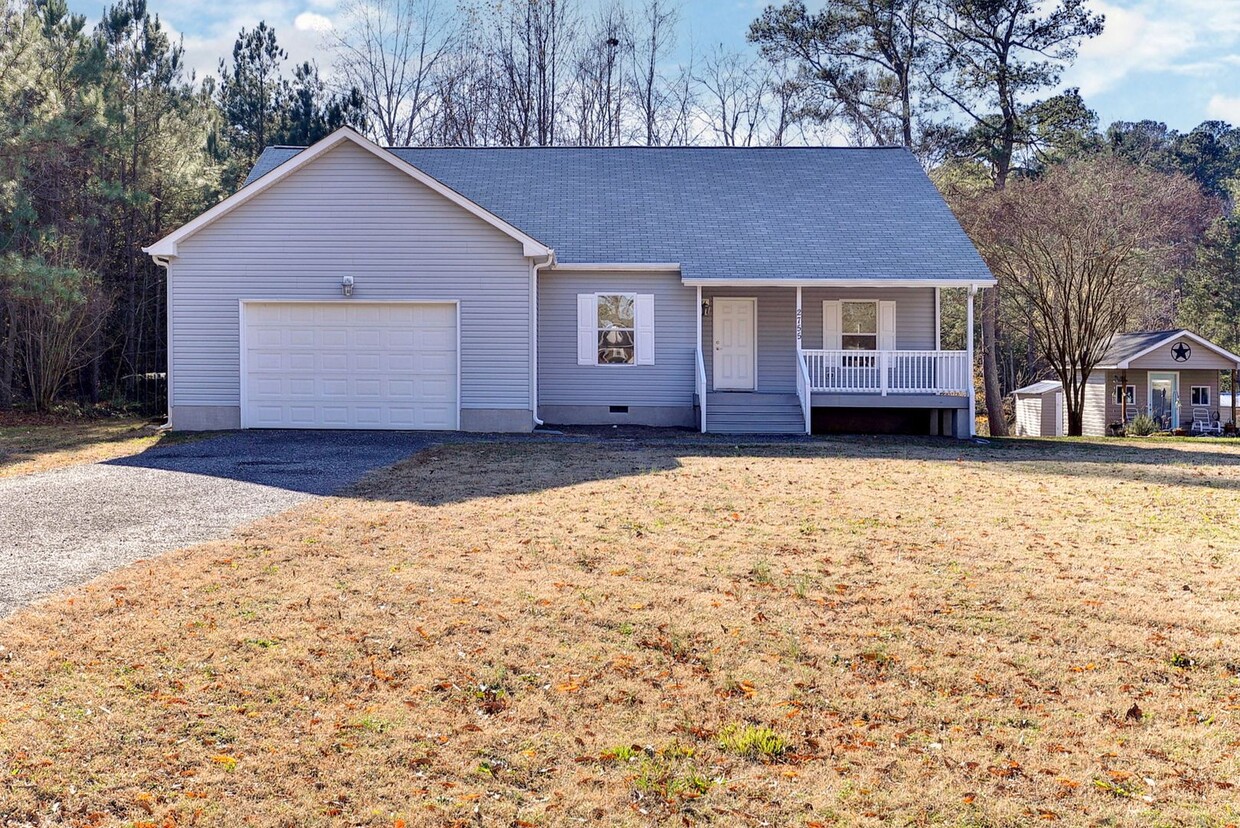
(8, 355)
(990, 364)
(1075, 421)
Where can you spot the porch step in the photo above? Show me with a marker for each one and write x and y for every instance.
(753, 413)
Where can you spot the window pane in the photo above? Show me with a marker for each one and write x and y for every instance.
(615, 347)
(615, 311)
(860, 342)
(859, 318)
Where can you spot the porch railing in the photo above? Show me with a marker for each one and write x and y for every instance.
(700, 386)
(888, 372)
(804, 393)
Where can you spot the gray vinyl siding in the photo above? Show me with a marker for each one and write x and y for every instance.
(1037, 414)
(1200, 359)
(915, 329)
(1141, 379)
(1029, 416)
(1094, 417)
(777, 307)
(561, 381)
(350, 213)
(777, 341)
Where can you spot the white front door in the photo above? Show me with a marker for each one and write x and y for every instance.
(735, 361)
(1165, 399)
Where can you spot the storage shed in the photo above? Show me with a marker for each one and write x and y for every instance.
(1041, 410)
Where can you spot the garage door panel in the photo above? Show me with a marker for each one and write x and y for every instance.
(367, 361)
(334, 365)
(334, 362)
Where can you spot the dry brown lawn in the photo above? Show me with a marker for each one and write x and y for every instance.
(852, 633)
(33, 444)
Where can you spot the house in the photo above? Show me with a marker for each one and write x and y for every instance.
(1171, 375)
(724, 289)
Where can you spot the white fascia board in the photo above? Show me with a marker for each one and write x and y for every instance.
(167, 246)
(618, 267)
(851, 283)
(1205, 343)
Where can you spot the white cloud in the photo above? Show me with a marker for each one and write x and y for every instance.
(311, 22)
(1224, 108)
(1132, 41)
(300, 32)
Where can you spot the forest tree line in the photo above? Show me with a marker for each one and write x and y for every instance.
(108, 141)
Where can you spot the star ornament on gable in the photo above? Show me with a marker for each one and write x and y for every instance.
(1180, 352)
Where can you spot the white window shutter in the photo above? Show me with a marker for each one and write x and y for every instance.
(643, 321)
(587, 329)
(832, 326)
(886, 326)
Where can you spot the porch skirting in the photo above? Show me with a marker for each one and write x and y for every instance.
(674, 416)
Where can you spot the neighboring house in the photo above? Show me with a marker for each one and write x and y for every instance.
(1171, 375)
(724, 289)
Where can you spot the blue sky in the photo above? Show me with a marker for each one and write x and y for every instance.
(1176, 61)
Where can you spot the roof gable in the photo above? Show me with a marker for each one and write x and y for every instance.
(167, 246)
(1129, 347)
(722, 213)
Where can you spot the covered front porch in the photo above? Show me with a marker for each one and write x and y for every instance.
(813, 357)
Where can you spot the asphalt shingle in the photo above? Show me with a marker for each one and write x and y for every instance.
(720, 212)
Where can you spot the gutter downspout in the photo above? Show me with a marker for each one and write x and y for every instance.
(164, 262)
(534, 268)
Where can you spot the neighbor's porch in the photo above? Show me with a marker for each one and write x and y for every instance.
(783, 358)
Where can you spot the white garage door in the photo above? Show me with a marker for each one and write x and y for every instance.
(349, 365)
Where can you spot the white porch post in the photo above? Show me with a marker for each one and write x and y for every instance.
(969, 348)
(798, 319)
(938, 319)
(700, 358)
(699, 320)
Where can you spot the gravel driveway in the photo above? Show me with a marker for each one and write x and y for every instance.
(67, 526)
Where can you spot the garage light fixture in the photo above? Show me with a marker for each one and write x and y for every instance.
(346, 285)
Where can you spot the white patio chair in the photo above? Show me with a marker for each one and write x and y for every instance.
(1201, 421)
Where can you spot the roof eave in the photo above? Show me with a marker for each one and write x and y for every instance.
(838, 282)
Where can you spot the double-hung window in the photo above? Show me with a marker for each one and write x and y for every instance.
(859, 326)
(617, 329)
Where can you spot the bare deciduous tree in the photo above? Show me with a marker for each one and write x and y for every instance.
(54, 316)
(659, 100)
(735, 89)
(391, 51)
(599, 88)
(1071, 248)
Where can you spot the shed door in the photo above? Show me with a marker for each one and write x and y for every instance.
(349, 365)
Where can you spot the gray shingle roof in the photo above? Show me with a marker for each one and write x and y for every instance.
(1127, 345)
(721, 213)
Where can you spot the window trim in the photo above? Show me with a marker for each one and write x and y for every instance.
(1132, 395)
(598, 328)
(877, 323)
(1192, 392)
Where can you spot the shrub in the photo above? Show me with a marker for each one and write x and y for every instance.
(1143, 425)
